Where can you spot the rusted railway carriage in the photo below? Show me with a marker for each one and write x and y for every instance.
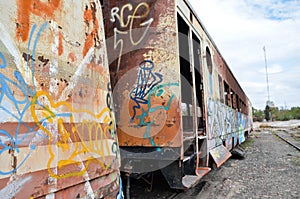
(178, 106)
(57, 125)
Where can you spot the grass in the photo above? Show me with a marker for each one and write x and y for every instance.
(248, 143)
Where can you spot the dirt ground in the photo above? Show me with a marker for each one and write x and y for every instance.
(270, 169)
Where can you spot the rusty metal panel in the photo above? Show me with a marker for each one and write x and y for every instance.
(57, 126)
(144, 67)
(224, 122)
(228, 76)
(220, 154)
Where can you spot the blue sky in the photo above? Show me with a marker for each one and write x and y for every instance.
(240, 29)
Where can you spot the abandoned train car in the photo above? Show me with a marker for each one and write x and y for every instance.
(57, 125)
(178, 106)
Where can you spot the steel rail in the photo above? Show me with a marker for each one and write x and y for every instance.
(284, 138)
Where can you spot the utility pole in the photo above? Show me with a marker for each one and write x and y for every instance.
(266, 65)
(267, 110)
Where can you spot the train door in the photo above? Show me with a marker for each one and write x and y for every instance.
(201, 142)
(198, 84)
(186, 77)
(195, 156)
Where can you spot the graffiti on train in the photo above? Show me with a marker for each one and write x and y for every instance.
(16, 107)
(26, 8)
(225, 122)
(49, 118)
(148, 99)
(43, 9)
(147, 80)
(34, 116)
(129, 30)
(76, 138)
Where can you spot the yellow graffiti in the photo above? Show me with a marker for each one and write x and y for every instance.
(64, 136)
(82, 144)
(216, 154)
(129, 25)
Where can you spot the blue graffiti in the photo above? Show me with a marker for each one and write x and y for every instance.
(241, 126)
(147, 80)
(21, 106)
(120, 194)
(148, 86)
(157, 92)
(2, 58)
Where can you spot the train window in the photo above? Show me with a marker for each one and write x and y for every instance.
(238, 102)
(208, 60)
(232, 96)
(183, 37)
(226, 94)
(221, 89)
(104, 10)
(198, 78)
(191, 17)
(241, 105)
(185, 72)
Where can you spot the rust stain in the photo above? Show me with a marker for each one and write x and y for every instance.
(91, 38)
(53, 56)
(25, 8)
(72, 57)
(60, 46)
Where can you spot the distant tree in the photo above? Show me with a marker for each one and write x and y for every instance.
(295, 112)
(258, 115)
(267, 113)
(274, 113)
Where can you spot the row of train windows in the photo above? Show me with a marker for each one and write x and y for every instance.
(230, 98)
(227, 95)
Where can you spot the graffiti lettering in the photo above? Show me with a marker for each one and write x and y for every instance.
(18, 105)
(156, 92)
(88, 141)
(45, 112)
(147, 80)
(118, 15)
(225, 123)
(149, 100)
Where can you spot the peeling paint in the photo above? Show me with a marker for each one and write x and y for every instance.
(57, 127)
(14, 187)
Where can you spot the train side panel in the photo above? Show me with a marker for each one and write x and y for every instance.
(228, 108)
(144, 69)
(57, 126)
(169, 83)
(228, 111)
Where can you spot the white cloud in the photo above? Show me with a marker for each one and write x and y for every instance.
(240, 29)
(274, 69)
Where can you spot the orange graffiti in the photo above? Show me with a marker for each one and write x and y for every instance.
(92, 37)
(96, 67)
(60, 46)
(36, 7)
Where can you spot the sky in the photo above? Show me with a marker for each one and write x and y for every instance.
(241, 28)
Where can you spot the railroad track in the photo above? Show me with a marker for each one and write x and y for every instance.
(288, 139)
(139, 189)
